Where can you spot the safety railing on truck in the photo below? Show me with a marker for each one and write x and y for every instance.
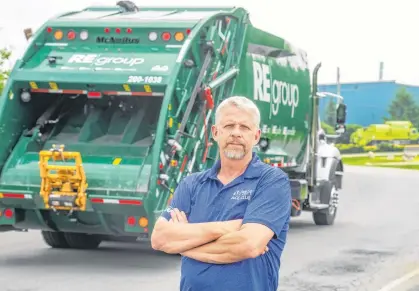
(202, 84)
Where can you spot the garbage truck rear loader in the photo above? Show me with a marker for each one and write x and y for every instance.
(110, 107)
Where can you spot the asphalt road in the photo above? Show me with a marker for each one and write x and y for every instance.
(374, 242)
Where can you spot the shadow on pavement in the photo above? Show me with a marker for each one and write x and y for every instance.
(302, 225)
(115, 257)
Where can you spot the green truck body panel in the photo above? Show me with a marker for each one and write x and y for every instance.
(281, 88)
(128, 140)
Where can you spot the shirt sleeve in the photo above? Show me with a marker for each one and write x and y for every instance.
(271, 203)
(181, 198)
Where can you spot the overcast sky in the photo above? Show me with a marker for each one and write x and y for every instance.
(355, 35)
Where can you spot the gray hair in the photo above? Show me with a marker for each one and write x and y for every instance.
(242, 103)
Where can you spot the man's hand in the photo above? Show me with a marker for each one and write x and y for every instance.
(178, 216)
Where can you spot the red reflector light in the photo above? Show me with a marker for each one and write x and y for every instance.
(129, 30)
(166, 36)
(131, 220)
(97, 200)
(8, 213)
(71, 35)
(13, 195)
(94, 94)
(117, 30)
(107, 30)
(49, 29)
(130, 202)
(188, 31)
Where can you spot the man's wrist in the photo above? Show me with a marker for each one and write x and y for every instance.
(222, 228)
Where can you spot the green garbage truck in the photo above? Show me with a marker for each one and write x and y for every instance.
(111, 106)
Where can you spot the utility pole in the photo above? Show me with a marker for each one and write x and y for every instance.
(380, 74)
(338, 81)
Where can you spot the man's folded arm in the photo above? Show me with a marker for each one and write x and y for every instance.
(175, 238)
(266, 216)
(233, 247)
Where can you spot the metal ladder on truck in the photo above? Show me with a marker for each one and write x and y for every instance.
(206, 76)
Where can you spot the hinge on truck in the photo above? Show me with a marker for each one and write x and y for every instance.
(63, 187)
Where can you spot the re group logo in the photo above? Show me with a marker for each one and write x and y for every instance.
(97, 60)
(275, 92)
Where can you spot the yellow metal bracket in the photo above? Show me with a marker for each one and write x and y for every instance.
(63, 187)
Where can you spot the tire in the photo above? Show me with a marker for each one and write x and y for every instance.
(327, 216)
(55, 240)
(82, 241)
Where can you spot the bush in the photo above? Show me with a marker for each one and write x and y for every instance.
(355, 149)
(346, 136)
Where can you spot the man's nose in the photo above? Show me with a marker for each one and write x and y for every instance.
(236, 131)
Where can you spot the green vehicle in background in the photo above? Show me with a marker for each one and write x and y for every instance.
(110, 107)
(394, 132)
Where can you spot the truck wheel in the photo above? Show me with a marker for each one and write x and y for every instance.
(54, 239)
(327, 216)
(82, 240)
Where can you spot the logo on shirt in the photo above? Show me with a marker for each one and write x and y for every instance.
(242, 195)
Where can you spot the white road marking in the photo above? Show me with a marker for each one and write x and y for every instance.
(393, 284)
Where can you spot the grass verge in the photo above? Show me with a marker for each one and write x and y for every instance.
(387, 161)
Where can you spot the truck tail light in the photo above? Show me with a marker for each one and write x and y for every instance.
(166, 36)
(71, 35)
(8, 213)
(131, 221)
(84, 34)
(152, 36)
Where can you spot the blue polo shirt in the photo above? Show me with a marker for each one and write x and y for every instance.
(261, 194)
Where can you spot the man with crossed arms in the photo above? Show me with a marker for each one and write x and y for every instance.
(229, 222)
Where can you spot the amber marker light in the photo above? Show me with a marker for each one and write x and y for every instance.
(58, 34)
(179, 36)
(143, 222)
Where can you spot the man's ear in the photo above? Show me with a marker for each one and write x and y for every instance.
(214, 132)
(257, 137)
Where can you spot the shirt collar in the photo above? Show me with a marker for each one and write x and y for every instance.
(253, 170)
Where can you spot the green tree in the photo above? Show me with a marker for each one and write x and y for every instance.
(403, 107)
(4, 71)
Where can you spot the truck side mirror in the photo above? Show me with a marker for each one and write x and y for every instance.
(341, 114)
(340, 118)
